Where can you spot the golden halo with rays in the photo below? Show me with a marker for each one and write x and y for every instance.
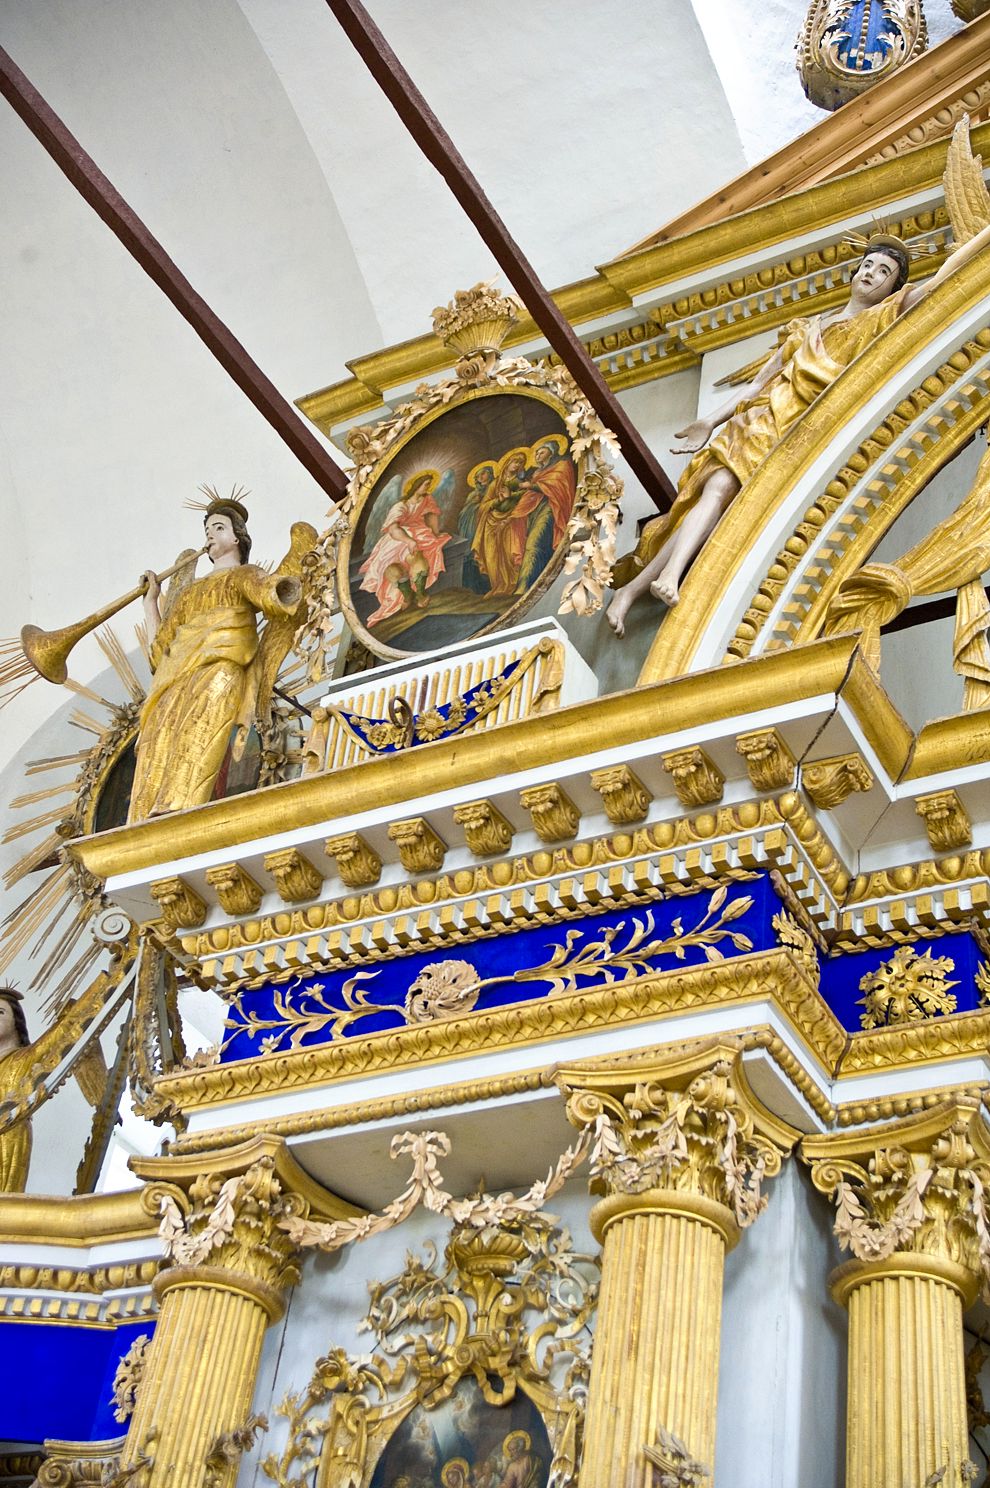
(215, 502)
(878, 238)
(518, 1436)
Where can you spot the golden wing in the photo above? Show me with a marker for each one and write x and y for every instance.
(967, 200)
(179, 581)
(278, 635)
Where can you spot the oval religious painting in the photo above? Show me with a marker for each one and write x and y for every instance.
(463, 527)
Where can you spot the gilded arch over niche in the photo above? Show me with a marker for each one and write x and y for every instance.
(744, 550)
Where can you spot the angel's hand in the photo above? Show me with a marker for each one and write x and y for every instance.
(152, 588)
(693, 437)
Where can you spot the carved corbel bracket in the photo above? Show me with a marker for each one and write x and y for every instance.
(946, 820)
(485, 828)
(421, 849)
(697, 779)
(769, 762)
(235, 888)
(553, 813)
(182, 908)
(624, 796)
(829, 782)
(295, 876)
(357, 862)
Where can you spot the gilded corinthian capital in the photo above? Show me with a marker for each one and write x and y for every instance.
(686, 1122)
(226, 1217)
(915, 1187)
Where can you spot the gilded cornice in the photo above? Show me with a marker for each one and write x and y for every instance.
(916, 104)
(939, 424)
(654, 343)
(468, 1092)
(84, 1221)
(684, 703)
(744, 979)
(930, 1042)
(756, 506)
(888, 1107)
(183, 1169)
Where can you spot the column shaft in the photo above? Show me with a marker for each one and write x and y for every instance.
(655, 1360)
(198, 1382)
(906, 1416)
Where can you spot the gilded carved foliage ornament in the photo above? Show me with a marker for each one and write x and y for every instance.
(946, 820)
(508, 1303)
(829, 782)
(697, 779)
(917, 1189)
(907, 989)
(241, 1224)
(486, 830)
(693, 1131)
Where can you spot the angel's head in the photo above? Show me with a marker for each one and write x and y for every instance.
(13, 1024)
(882, 270)
(225, 525)
(420, 484)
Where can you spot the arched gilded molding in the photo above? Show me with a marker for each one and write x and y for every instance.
(845, 522)
(746, 541)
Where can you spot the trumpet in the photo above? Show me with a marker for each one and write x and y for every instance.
(48, 650)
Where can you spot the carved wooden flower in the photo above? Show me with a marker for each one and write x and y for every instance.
(444, 989)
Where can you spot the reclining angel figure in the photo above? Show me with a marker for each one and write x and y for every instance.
(815, 351)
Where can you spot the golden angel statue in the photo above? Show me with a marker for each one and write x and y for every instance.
(213, 672)
(816, 350)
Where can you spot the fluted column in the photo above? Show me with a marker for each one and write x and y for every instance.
(910, 1207)
(681, 1147)
(231, 1265)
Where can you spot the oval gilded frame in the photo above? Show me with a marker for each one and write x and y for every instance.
(367, 488)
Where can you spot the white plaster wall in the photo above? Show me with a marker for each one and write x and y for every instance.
(588, 125)
(781, 1409)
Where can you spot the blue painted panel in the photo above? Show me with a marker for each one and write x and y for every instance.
(57, 1379)
(841, 975)
(512, 967)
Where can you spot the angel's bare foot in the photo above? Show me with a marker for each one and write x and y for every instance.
(666, 589)
(618, 610)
